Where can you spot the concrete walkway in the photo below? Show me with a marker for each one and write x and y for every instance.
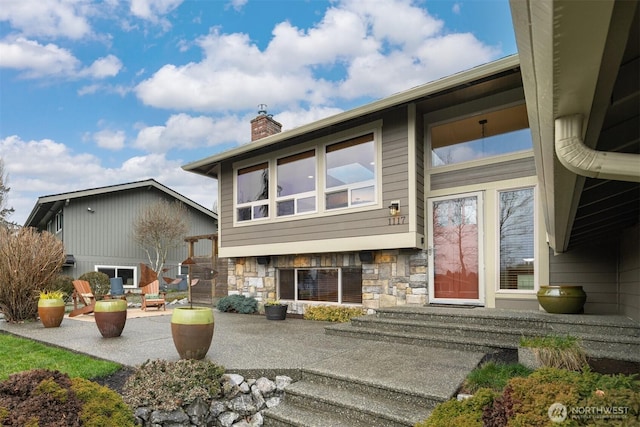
(250, 344)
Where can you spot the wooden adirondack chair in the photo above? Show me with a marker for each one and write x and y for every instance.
(152, 297)
(82, 293)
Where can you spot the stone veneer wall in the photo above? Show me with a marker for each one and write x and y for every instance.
(395, 277)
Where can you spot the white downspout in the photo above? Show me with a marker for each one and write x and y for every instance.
(582, 160)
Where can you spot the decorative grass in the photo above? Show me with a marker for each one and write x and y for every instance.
(557, 352)
(494, 376)
(20, 354)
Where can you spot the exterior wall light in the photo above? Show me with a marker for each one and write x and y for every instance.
(394, 208)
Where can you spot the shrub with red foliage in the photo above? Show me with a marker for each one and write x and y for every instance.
(39, 398)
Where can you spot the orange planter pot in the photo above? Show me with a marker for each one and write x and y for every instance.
(51, 312)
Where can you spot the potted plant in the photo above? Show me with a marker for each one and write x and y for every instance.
(562, 299)
(192, 331)
(110, 316)
(275, 310)
(552, 351)
(51, 308)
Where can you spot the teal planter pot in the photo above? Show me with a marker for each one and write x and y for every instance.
(562, 299)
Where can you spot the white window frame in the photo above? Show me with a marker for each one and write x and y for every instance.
(256, 203)
(536, 245)
(295, 285)
(124, 267)
(319, 146)
(297, 196)
(59, 222)
(355, 186)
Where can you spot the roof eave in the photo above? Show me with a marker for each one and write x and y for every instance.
(561, 46)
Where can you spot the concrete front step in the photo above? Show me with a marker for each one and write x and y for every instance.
(489, 330)
(374, 384)
(518, 319)
(355, 406)
(285, 415)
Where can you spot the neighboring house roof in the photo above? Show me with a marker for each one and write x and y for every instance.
(581, 58)
(48, 205)
(207, 166)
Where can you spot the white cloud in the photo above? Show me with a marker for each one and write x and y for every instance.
(154, 10)
(48, 18)
(237, 4)
(110, 139)
(107, 66)
(60, 170)
(182, 131)
(365, 44)
(36, 60)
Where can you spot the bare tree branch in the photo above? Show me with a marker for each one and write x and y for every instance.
(159, 228)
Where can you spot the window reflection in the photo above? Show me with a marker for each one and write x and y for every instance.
(481, 136)
(252, 195)
(350, 172)
(517, 239)
(297, 184)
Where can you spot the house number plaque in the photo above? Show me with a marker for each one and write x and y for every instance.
(397, 220)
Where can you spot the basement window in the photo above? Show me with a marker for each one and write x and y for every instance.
(338, 285)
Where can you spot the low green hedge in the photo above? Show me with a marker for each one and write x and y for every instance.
(332, 313)
(525, 401)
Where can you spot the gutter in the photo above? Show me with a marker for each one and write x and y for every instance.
(582, 160)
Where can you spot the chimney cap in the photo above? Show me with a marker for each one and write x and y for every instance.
(262, 109)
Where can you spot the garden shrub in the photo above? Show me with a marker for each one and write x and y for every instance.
(29, 262)
(332, 313)
(42, 397)
(101, 405)
(64, 284)
(164, 385)
(460, 413)
(238, 304)
(525, 401)
(100, 284)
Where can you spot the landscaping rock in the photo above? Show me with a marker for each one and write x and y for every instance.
(241, 404)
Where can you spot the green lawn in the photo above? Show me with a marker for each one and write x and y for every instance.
(20, 354)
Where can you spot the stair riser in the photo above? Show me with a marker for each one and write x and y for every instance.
(465, 345)
(539, 326)
(507, 336)
(344, 412)
(418, 401)
(443, 318)
(613, 350)
(270, 421)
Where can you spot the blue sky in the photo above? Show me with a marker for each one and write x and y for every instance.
(96, 93)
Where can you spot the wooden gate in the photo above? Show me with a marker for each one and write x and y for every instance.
(209, 273)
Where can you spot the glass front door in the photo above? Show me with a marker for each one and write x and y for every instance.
(455, 256)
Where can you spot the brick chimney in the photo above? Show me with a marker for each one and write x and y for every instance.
(264, 125)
